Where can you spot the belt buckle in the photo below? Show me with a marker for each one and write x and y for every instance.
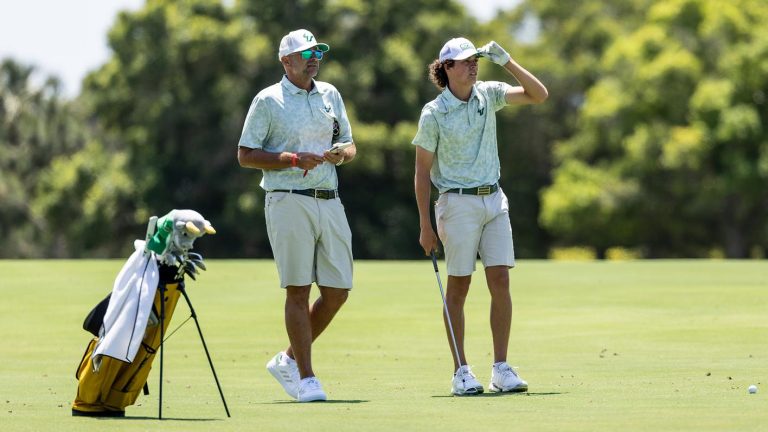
(484, 190)
(317, 193)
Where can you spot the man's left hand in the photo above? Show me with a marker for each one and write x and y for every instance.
(333, 158)
(495, 53)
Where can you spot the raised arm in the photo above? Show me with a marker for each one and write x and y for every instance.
(530, 90)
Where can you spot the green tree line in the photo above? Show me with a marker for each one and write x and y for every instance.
(653, 137)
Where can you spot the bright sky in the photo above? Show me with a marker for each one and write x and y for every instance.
(68, 38)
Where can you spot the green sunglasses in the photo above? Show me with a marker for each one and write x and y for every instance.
(307, 54)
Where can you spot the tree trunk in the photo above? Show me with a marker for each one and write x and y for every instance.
(734, 242)
(733, 228)
(600, 252)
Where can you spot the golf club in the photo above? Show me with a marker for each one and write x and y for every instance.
(445, 307)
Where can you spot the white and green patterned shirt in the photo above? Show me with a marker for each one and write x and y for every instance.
(283, 117)
(463, 136)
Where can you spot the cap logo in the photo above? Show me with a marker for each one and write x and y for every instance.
(308, 37)
(464, 46)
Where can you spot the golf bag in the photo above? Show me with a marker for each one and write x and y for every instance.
(128, 326)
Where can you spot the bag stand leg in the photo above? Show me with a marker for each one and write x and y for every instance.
(205, 347)
(162, 340)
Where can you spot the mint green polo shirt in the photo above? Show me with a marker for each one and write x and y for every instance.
(462, 135)
(285, 118)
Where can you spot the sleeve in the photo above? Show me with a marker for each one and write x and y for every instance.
(427, 134)
(497, 94)
(345, 129)
(256, 127)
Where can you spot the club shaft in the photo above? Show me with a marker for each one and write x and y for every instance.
(445, 308)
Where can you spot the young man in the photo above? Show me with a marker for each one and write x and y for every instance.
(288, 134)
(457, 151)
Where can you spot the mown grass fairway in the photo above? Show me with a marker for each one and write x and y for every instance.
(605, 346)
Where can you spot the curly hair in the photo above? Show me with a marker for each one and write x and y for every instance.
(437, 73)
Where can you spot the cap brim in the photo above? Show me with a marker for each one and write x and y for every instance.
(321, 46)
(466, 54)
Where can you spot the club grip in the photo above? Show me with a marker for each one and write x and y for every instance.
(434, 260)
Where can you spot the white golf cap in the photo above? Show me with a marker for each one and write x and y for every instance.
(299, 40)
(457, 49)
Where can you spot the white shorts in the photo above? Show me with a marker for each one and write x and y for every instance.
(311, 240)
(472, 224)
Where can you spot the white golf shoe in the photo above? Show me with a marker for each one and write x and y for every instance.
(310, 390)
(505, 379)
(465, 383)
(286, 372)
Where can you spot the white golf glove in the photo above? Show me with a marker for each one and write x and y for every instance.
(495, 53)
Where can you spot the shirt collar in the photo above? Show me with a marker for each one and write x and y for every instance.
(288, 85)
(448, 102)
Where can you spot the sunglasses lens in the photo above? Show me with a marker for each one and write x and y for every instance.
(306, 55)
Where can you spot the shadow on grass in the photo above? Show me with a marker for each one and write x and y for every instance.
(500, 394)
(333, 401)
(126, 418)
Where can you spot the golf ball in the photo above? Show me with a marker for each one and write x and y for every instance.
(752, 389)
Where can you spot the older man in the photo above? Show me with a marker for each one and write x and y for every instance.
(288, 134)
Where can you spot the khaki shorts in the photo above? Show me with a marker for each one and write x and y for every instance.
(469, 225)
(311, 240)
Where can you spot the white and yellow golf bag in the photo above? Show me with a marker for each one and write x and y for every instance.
(128, 326)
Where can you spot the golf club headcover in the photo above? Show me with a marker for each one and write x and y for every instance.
(176, 233)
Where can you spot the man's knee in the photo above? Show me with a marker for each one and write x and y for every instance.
(458, 287)
(297, 295)
(335, 297)
(497, 278)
